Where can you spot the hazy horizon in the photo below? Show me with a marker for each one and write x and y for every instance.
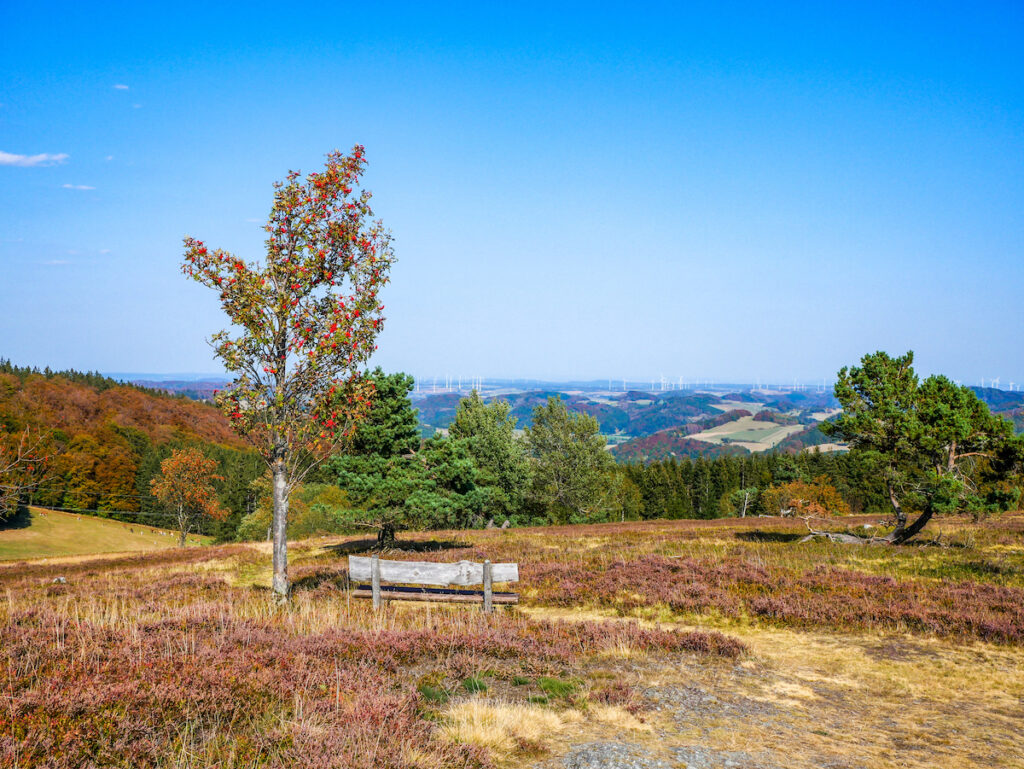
(425, 382)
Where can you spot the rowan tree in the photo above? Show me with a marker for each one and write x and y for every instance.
(304, 321)
(23, 460)
(185, 488)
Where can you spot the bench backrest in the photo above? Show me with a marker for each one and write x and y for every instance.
(360, 569)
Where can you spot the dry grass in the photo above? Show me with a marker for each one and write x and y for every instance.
(804, 699)
(505, 727)
(183, 657)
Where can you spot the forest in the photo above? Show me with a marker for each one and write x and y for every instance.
(105, 441)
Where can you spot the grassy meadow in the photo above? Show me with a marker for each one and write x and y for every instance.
(728, 637)
(38, 533)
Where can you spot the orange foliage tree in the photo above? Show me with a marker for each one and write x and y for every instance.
(805, 499)
(185, 488)
(306, 321)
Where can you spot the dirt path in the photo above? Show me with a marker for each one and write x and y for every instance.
(815, 700)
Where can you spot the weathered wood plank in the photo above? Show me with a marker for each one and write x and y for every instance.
(394, 593)
(425, 573)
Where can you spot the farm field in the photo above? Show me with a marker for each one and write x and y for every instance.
(665, 644)
(55, 534)
(749, 433)
(752, 406)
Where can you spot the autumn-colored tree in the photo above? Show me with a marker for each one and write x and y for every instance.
(305, 324)
(185, 488)
(804, 499)
(22, 462)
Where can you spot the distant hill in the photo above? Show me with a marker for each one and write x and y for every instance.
(671, 443)
(198, 390)
(106, 439)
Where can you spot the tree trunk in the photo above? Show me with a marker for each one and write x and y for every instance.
(386, 535)
(901, 535)
(280, 526)
(181, 525)
(901, 515)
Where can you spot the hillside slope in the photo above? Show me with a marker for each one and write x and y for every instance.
(50, 534)
(105, 440)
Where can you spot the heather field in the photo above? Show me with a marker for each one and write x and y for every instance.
(688, 642)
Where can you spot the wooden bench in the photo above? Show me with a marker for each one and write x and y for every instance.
(439, 575)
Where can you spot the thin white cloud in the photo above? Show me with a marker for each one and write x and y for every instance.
(120, 86)
(28, 161)
(109, 157)
(136, 106)
(57, 261)
(77, 187)
(104, 250)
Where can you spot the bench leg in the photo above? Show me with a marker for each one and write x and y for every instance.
(375, 580)
(488, 592)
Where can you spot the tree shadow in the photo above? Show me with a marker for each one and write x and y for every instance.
(21, 519)
(370, 546)
(757, 535)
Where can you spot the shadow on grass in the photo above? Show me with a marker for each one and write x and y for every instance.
(757, 535)
(22, 519)
(400, 546)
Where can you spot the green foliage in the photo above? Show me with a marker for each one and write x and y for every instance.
(488, 433)
(571, 469)
(93, 379)
(431, 489)
(742, 502)
(315, 509)
(393, 482)
(557, 687)
(433, 694)
(474, 685)
(936, 444)
(390, 428)
(706, 488)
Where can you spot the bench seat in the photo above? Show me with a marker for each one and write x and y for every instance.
(403, 593)
(410, 579)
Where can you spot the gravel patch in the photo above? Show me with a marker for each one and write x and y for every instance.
(613, 755)
(702, 758)
(686, 703)
(618, 755)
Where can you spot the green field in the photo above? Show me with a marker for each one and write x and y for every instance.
(52, 534)
(748, 432)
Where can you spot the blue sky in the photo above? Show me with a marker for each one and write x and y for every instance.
(720, 191)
